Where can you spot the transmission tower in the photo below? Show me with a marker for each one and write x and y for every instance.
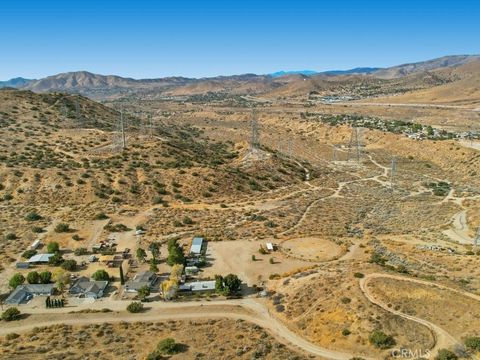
(78, 115)
(334, 152)
(393, 172)
(122, 126)
(118, 136)
(354, 148)
(254, 137)
(476, 241)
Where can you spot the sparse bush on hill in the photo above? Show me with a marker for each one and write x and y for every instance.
(444, 354)
(381, 340)
(135, 307)
(473, 343)
(11, 314)
(62, 228)
(168, 346)
(33, 216)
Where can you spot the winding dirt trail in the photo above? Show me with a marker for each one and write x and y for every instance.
(442, 338)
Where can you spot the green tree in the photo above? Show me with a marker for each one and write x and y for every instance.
(219, 284)
(16, 280)
(135, 307)
(45, 277)
(175, 253)
(55, 260)
(11, 314)
(153, 265)
(69, 265)
(143, 292)
(231, 284)
(141, 255)
(53, 247)
(101, 275)
(33, 277)
(381, 340)
(154, 248)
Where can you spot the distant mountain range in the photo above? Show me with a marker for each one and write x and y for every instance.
(16, 82)
(359, 70)
(281, 83)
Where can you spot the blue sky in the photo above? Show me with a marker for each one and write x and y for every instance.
(146, 38)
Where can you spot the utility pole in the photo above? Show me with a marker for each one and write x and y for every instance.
(393, 172)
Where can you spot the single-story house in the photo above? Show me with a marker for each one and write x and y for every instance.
(269, 246)
(147, 278)
(40, 258)
(84, 287)
(23, 293)
(197, 244)
(198, 286)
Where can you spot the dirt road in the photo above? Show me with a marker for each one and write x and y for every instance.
(442, 338)
(245, 309)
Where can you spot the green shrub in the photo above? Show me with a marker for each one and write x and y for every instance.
(69, 265)
(16, 280)
(473, 343)
(27, 254)
(358, 275)
(10, 236)
(32, 216)
(444, 354)
(53, 247)
(100, 275)
(11, 314)
(62, 228)
(135, 307)
(33, 277)
(100, 216)
(381, 340)
(168, 346)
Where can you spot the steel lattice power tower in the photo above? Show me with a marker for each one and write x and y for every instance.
(254, 137)
(393, 172)
(476, 241)
(354, 148)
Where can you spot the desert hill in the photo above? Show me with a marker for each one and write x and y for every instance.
(434, 64)
(461, 88)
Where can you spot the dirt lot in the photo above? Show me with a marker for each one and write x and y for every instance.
(312, 248)
(236, 257)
